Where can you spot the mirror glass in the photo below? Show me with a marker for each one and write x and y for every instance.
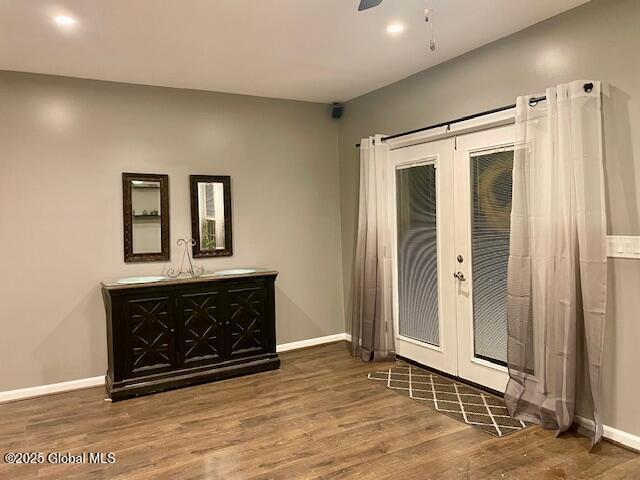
(146, 217)
(145, 212)
(211, 215)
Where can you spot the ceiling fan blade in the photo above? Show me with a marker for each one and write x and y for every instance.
(366, 4)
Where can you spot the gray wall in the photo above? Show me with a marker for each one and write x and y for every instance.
(600, 40)
(64, 144)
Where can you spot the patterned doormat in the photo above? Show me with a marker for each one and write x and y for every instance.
(457, 400)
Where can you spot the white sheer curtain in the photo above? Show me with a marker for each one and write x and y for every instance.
(372, 315)
(557, 282)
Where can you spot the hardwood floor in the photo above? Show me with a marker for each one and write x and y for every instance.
(317, 417)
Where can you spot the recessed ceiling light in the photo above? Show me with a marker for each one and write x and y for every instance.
(395, 28)
(64, 20)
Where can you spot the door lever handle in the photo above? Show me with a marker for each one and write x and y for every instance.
(459, 276)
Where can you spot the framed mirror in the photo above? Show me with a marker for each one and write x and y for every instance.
(211, 216)
(145, 199)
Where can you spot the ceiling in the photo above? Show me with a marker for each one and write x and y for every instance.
(315, 50)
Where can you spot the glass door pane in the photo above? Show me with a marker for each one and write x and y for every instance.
(491, 181)
(417, 253)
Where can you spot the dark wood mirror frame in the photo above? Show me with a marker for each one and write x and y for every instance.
(194, 180)
(164, 253)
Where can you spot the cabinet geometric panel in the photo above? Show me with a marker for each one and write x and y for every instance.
(151, 334)
(246, 320)
(201, 319)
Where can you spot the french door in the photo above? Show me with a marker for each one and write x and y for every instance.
(422, 242)
(450, 220)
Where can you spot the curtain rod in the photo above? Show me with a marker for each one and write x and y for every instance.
(532, 102)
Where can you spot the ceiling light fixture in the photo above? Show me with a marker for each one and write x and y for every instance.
(395, 28)
(64, 20)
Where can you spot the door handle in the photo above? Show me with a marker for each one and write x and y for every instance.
(459, 276)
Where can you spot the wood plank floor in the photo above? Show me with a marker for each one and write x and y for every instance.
(317, 417)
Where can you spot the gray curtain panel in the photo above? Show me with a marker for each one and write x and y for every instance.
(372, 315)
(557, 276)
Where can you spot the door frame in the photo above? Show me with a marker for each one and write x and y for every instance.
(414, 348)
(485, 122)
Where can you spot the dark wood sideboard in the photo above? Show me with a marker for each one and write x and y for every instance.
(176, 333)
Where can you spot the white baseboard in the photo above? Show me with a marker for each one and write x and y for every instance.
(613, 434)
(39, 391)
(31, 392)
(285, 347)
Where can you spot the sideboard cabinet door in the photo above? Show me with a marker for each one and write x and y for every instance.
(201, 319)
(149, 329)
(246, 327)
